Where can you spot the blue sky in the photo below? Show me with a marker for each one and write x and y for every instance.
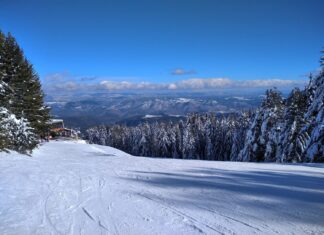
(167, 41)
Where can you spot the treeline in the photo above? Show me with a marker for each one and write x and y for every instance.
(280, 130)
(207, 137)
(23, 115)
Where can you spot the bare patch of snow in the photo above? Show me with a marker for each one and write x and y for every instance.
(240, 98)
(151, 116)
(183, 100)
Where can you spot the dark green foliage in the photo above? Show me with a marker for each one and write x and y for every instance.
(21, 97)
(4, 140)
(29, 103)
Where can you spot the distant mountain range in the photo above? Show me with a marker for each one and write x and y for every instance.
(83, 111)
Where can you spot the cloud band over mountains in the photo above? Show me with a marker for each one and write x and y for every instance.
(59, 82)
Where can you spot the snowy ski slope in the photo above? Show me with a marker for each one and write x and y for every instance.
(76, 188)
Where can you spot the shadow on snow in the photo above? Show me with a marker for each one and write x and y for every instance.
(272, 193)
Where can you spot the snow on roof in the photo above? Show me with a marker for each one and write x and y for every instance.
(55, 121)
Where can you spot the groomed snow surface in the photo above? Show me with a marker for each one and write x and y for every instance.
(76, 188)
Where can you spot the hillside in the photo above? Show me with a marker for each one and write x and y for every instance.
(88, 110)
(76, 188)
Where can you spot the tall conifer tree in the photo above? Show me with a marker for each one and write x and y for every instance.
(23, 115)
(28, 100)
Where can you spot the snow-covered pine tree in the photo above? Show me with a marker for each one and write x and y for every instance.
(24, 137)
(189, 141)
(4, 141)
(5, 99)
(312, 134)
(207, 132)
(253, 150)
(261, 143)
(296, 105)
(199, 135)
(4, 133)
(5, 95)
(92, 135)
(271, 126)
(214, 134)
(134, 137)
(102, 135)
(231, 129)
(241, 127)
(144, 140)
(16, 134)
(164, 142)
(220, 140)
(180, 138)
(173, 138)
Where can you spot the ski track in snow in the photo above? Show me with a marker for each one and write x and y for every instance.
(76, 188)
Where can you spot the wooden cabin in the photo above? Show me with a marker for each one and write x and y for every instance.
(56, 123)
(58, 130)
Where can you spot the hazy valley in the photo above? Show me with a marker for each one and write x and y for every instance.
(86, 110)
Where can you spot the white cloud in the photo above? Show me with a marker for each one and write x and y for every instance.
(271, 83)
(180, 71)
(65, 82)
(204, 83)
(172, 86)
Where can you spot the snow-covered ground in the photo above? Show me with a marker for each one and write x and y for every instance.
(75, 188)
